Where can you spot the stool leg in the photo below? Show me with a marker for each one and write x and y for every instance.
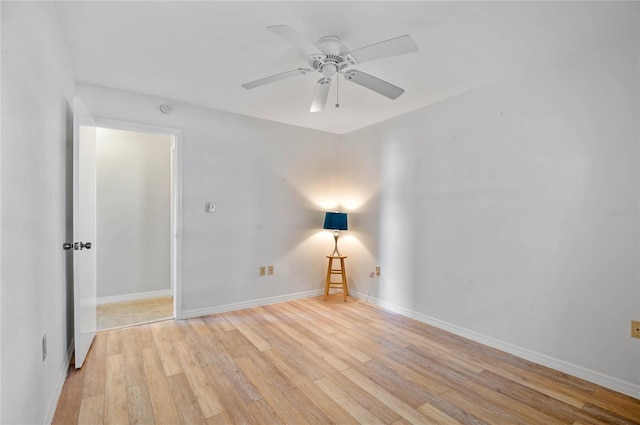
(328, 280)
(345, 284)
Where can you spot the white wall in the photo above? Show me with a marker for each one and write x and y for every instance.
(511, 213)
(133, 176)
(271, 183)
(37, 91)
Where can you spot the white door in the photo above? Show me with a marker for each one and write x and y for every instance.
(84, 230)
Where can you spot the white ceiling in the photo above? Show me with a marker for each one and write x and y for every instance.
(200, 52)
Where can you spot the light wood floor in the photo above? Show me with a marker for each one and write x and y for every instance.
(117, 315)
(317, 362)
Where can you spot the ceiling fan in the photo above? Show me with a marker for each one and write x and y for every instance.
(330, 57)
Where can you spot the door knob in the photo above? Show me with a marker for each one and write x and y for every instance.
(76, 246)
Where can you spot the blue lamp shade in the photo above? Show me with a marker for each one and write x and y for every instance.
(335, 221)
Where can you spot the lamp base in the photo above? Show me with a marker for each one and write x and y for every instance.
(335, 252)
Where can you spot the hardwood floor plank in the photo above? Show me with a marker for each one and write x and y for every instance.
(528, 414)
(235, 408)
(437, 416)
(316, 362)
(91, 410)
(139, 405)
(133, 346)
(242, 384)
(367, 345)
(236, 344)
(615, 402)
(318, 327)
(278, 379)
(220, 419)
(199, 382)
(184, 399)
(272, 396)
(330, 315)
(428, 365)
(307, 407)
(333, 338)
(608, 416)
(332, 409)
(264, 413)
(70, 398)
(532, 398)
(295, 354)
(164, 408)
(244, 324)
(544, 385)
(203, 344)
(220, 358)
(217, 322)
(308, 388)
(361, 414)
(95, 366)
(404, 389)
(478, 407)
(309, 343)
(165, 349)
(115, 396)
(403, 409)
(190, 414)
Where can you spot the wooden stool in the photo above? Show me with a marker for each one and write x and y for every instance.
(342, 271)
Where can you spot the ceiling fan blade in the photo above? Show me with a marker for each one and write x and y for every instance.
(289, 35)
(384, 49)
(375, 84)
(276, 77)
(320, 94)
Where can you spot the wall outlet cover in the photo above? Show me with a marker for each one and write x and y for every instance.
(270, 270)
(44, 347)
(263, 270)
(635, 328)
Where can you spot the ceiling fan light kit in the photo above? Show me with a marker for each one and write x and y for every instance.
(329, 57)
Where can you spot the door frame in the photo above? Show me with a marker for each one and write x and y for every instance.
(176, 198)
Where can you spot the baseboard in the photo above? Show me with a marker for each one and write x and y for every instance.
(134, 297)
(188, 314)
(51, 410)
(606, 381)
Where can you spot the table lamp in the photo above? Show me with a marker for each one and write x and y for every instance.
(335, 221)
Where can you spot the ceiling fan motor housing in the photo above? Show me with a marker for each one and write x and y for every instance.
(334, 57)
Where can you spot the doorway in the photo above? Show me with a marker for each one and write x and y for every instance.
(136, 210)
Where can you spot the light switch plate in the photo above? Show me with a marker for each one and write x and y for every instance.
(210, 207)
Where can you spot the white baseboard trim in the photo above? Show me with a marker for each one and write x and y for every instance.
(610, 382)
(134, 297)
(51, 410)
(199, 312)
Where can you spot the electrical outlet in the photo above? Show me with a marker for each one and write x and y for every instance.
(44, 347)
(377, 270)
(635, 329)
(263, 270)
(270, 270)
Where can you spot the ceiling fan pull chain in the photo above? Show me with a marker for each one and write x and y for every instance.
(337, 92)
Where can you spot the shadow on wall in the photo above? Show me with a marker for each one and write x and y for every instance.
(68, 231)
